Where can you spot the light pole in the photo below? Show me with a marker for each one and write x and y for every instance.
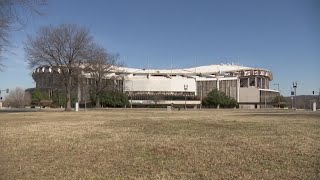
(7, 91)
(314, 107)
(201, 96)
(278, 99)
(131, 93)
(294, 85)
(314, 92)
(185, 95)
(277, 84)
(292, 93)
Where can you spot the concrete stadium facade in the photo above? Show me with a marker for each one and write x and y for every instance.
(249, 86)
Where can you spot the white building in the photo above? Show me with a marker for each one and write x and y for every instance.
(249, 86)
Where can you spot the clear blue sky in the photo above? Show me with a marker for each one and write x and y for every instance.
(280, 35)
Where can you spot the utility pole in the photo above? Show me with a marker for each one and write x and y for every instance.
(185, 95)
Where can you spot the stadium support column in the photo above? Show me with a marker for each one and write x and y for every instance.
(79, 91)
(123, 86)
(255, 81)
(218, 88)
(238, 89)
(265, 93)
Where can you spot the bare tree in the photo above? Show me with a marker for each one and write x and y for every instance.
(16, 98)
(27, 98)
(65, 46)
(13, 14)
(99, 65)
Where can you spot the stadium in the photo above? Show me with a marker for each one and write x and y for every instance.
(250, 87)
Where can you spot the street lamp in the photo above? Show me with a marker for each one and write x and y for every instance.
(185, 95)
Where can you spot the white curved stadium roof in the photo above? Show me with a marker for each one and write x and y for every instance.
(200, 69)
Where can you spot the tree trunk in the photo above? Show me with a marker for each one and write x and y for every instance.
(68, 106)
(98, 101)
(98, 94)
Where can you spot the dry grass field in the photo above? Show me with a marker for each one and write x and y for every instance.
(155, 144)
